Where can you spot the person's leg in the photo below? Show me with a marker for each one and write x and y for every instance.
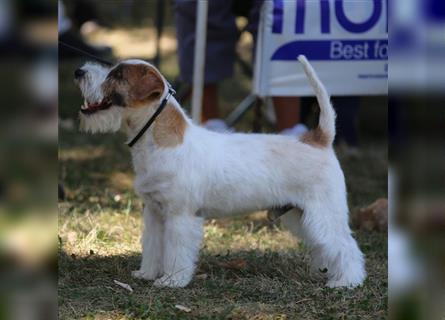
(210, 106)
(306, 108)
(347, 113)
(222, 35)
(210, 116)
(287, 111)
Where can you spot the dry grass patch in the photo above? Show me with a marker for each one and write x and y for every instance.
(247, 270)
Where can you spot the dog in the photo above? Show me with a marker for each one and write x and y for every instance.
(185, 173)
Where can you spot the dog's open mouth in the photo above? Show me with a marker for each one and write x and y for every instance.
(88, 108)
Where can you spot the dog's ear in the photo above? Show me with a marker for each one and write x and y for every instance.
(145, 83)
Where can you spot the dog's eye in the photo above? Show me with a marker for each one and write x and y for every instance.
(117, 99)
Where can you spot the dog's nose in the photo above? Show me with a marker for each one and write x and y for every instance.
(79, 73)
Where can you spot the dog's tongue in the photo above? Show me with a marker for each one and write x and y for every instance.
(88, 108)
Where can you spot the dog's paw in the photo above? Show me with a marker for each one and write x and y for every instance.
(171, 282)
(140, 274)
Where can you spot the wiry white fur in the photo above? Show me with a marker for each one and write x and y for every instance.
(90, 85)
(218, 175)
(92, 80)
(109, 120)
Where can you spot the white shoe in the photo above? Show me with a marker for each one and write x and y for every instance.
(217, 125)
(296, 131)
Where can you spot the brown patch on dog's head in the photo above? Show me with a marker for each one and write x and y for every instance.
(316, 138)
(169, 128)
(133, 85)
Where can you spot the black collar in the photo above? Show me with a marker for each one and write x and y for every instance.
(153, 117)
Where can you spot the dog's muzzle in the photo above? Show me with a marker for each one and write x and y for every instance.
(87, 107)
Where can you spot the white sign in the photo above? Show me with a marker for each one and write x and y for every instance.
(345, 40)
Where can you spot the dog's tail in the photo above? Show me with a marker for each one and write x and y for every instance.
(324, 134)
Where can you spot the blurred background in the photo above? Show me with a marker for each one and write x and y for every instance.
(93, 173)
(28, 148)
(417, 171)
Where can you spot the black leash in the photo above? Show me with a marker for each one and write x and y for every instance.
(103, 61)
(153, 117)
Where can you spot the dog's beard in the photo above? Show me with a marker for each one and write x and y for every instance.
(101, 121)
(109, 120)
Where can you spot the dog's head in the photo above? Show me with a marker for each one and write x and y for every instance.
(112, 94)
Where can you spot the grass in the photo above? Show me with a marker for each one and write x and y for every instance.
(248, 267)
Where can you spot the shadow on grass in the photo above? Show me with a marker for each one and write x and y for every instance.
(86, 284)
(94, 269)
(270, 283)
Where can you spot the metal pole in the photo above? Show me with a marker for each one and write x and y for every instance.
(199, 59)
(159, 22)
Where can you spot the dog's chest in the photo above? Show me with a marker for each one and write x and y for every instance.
(154, 189)
(153, 183)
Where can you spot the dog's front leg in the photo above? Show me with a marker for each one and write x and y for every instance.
(182, 240)
(152, 251)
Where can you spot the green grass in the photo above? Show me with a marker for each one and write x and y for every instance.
(100, 226)
(101, 245)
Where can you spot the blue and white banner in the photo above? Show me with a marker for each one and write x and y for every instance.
(345, 40)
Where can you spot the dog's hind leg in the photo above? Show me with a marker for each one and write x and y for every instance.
(152, 237)
(182, 240)
(327, 233)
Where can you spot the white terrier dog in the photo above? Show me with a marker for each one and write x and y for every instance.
(185, 173)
